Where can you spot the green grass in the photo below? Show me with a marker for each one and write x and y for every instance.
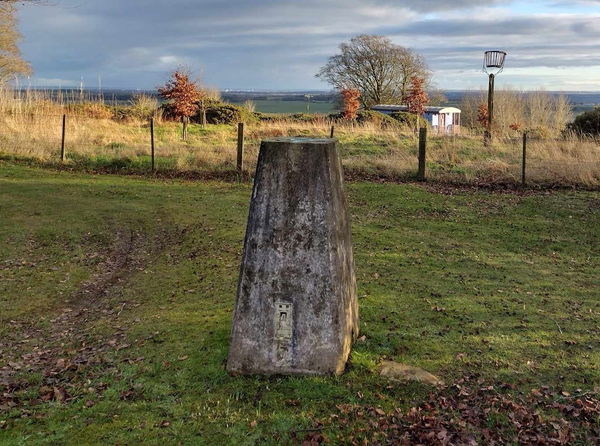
(500, 285)
(277, 106)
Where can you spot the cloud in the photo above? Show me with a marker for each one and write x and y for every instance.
(281, 43)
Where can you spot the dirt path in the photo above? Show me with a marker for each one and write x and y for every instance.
(64, 348)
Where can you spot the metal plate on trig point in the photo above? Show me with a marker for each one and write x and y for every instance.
(283, 320)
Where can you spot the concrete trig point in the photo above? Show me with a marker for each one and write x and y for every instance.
(296, 309)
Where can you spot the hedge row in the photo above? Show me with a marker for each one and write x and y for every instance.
(224, 113)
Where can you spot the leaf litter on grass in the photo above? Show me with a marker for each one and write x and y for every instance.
(470, 412)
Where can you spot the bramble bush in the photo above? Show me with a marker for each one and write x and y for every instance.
(305, 118)
(586, 124)
(408, 119)
(222, 113)
(92, 110)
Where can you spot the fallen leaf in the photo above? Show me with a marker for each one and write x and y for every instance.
(402, 372)
(60, 394)
(16, 365)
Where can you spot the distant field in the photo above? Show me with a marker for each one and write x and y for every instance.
(275, 106)
(293, 101)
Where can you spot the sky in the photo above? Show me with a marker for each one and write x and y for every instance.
(281, 44)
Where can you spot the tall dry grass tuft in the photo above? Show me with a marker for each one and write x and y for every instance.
(250, 105)
(144, 106)
(538, 111)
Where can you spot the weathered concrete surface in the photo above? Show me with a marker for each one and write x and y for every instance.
(296, 309)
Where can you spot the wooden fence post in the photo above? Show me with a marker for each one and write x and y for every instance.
(184, 127)
(240, 151)
(62, 145)
(332, 131)
(422, 153)
(152, 142)
(524, 162)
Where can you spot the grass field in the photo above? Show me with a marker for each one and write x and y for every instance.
(116, 295)
(368, 151)
(276, 106)
(99, 137)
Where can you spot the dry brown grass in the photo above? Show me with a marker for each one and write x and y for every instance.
(31, 128)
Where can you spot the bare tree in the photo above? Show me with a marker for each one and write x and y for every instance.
(437, 97)
(378, 68)
(11, 61)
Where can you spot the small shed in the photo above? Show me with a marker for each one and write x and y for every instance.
(443, 120)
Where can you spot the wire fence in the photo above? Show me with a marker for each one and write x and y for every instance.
(367, 151)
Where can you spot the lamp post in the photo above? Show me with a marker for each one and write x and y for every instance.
(308, 97)
(493, 65)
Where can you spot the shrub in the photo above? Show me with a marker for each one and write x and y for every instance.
(121, 113)
(168, 112)
(183, 92)
(483, 115)
(93, 110)
(143, 106)
(222, 113)
(587, 124)
(294, 117)
(377, 118)
(267, 117)
(540, 133)
(408, 119)
(417, 98)
(350, 102)
(304, 117)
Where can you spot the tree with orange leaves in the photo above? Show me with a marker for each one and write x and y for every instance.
(184, 93)
(483, 115)
(516, 126)
(350, 102)
(417, 97)
(11, 60)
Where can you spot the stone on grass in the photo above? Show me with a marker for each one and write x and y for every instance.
(296, 310)
(402, 372)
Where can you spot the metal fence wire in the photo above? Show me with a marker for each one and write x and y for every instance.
(155, 146)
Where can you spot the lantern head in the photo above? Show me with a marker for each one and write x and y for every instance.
(493, 62)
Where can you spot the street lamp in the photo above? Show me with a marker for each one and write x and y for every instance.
(493, 64)
(308, 97)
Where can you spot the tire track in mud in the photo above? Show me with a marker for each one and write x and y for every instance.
(63, 348)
